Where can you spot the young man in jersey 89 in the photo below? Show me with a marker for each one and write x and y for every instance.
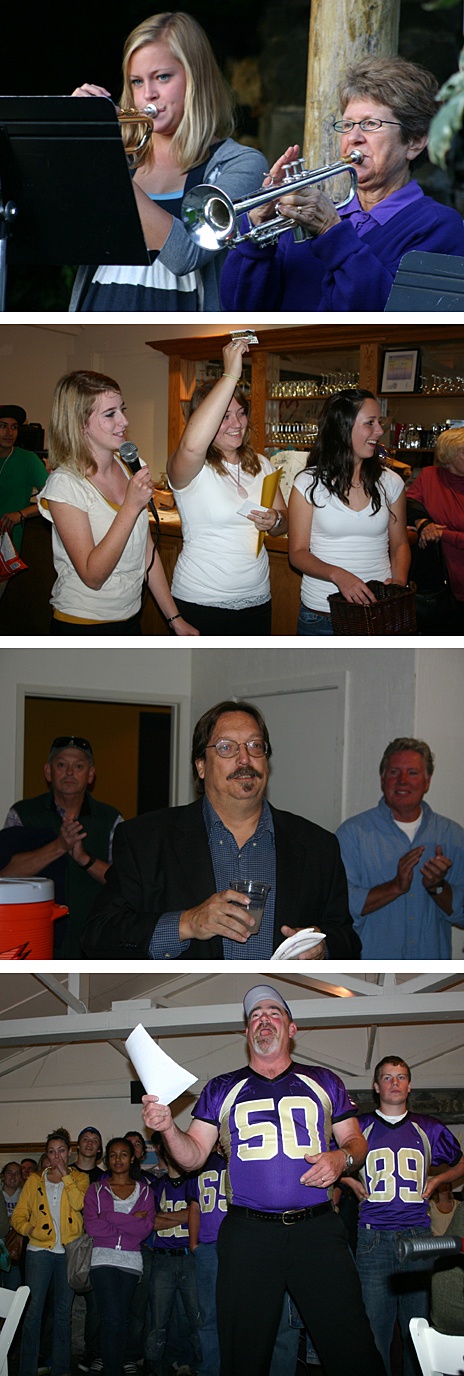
(394, 1188)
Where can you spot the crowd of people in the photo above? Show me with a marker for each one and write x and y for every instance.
(351, 521)
(389, 884)
(263, 1178)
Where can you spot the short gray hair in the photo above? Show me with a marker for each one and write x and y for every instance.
(408, 743)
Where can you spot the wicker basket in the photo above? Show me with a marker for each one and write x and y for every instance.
(394, 612)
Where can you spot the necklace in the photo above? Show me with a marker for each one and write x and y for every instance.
(233, 472)
(5, 461)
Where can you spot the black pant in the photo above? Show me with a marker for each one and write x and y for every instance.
(130, 627)
(258, 1261)
(224, 621)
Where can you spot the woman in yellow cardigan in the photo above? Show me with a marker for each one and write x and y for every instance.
(49, 1214)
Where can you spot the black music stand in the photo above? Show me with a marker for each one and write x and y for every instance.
(428, 282)
(65, 186)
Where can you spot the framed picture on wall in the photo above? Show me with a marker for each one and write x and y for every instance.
(401, 370)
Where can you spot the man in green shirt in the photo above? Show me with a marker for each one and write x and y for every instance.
(21, 473)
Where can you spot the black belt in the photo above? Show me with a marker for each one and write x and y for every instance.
(288, 1216)
(172, 1251)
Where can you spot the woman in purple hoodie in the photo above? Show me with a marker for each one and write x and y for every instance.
(119, 1214)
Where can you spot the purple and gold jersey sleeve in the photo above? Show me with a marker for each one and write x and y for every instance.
(170, 1198)
(267, 1127)
(208, 1188)
(397, 1166)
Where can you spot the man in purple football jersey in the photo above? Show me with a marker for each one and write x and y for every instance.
(394, 1189)
(275, 1119)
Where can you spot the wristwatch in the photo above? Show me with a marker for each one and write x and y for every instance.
(349, 1159)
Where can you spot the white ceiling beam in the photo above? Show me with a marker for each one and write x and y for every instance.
(62, 992)
(360, 1012)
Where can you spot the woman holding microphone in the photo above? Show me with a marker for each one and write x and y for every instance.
(102, 548)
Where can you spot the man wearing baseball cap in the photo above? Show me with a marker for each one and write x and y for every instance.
(275, 1120)
(21, 473)
(64, 834)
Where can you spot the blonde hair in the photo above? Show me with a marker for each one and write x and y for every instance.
(73, 401)
(247, 456)
(449, 443)
(408, 90)
(209, 102)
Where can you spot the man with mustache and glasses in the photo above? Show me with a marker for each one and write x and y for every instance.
(275, 1119)
(168, 892)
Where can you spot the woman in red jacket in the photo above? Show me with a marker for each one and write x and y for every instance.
(436, 508)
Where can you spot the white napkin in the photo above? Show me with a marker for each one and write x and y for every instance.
(294, 945)
(159, 1074)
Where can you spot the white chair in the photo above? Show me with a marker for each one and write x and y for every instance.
(439, 1354)
(11, 1307)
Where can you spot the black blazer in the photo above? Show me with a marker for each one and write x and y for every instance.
(162, 863)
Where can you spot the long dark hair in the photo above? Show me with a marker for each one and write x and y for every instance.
(332, 461)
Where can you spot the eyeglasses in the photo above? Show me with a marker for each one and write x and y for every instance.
(227, 749)
(343, 126)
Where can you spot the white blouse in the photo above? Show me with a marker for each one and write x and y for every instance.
(355, 540)
(218, 565)
(120, 595)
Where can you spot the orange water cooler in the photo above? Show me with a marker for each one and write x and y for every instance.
(27, 913)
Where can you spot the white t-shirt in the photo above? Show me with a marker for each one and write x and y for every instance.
(120, 596)
(355, 540)
(217, 566)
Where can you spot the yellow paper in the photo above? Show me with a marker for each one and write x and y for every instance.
(268, 492)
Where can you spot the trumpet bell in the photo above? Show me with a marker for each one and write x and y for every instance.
(209, 216)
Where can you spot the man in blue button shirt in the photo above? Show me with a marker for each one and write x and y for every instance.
(405, 863)
(168, 892)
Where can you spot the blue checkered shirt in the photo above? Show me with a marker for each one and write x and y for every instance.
(255, 860)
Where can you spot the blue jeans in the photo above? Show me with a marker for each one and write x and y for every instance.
(171, 1275)
(205, 1256)
(313, 623)
(139, 1322)
(392, 1289)
(41, 1268)
(113, 1290)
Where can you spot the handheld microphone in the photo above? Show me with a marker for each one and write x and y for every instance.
(130, 455)
(427, 1246)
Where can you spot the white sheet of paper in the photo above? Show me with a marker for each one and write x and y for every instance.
(295, 945)
(158, 1072)
(246, 507)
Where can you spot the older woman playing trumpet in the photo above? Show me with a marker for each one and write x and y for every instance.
(352, 258)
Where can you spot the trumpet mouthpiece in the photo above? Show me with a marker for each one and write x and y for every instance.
(151, 110)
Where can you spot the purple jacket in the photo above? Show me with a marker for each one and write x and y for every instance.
(340, 270)
(111, 1229)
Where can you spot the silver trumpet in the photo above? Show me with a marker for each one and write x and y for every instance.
(210, 217)
(143, 117)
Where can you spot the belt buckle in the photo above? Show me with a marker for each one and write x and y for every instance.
(293, 1216)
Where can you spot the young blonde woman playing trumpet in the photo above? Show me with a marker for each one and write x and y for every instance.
(168, 64)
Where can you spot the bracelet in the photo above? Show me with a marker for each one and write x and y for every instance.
(90, 862)
(170, 619)
(234, 379)
(277, 523)
(22, 518)
(426, 522)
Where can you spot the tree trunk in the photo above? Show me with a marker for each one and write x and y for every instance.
(340, 33)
